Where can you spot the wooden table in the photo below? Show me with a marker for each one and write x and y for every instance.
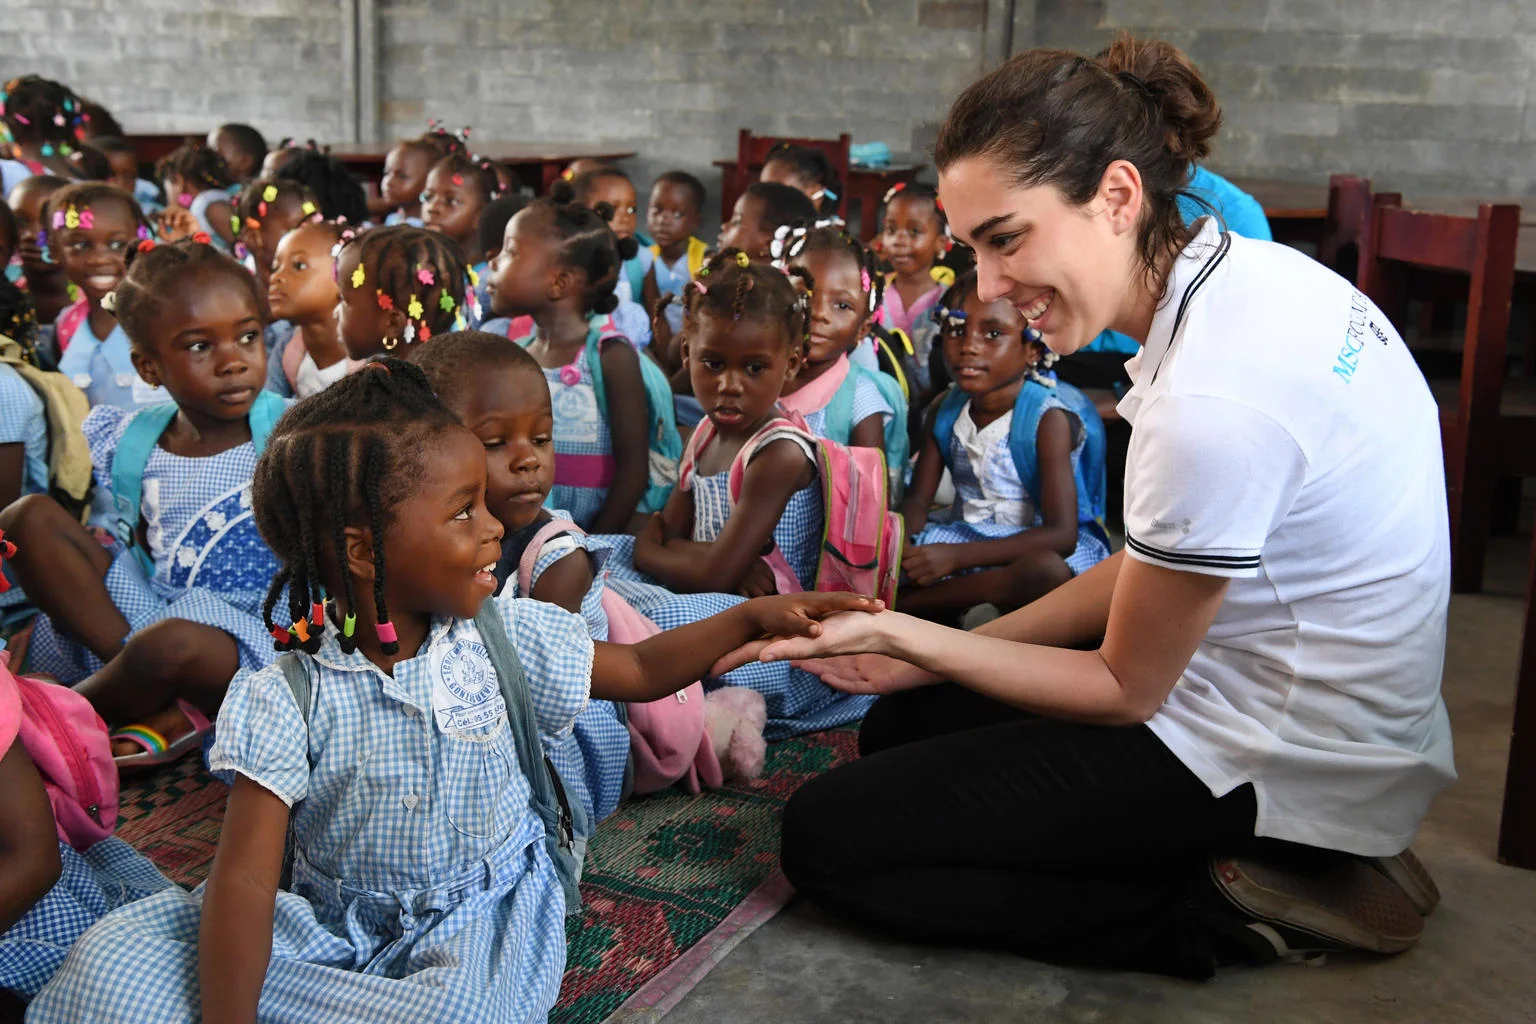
(537, 163)
(866, 187)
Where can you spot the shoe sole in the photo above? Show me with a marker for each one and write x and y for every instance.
(1409, 874)
(1348, 903)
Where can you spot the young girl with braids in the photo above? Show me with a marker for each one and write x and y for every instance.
(400, 286)
(304, 292)
(459, 187)
(41, 278)
(558, 264)
(744, 340)
(1027, 457)
(422, 887)
(405, 178)
(605, 185)
(196, 179)
(91, 230)
(845, 292)
(265, 211)
(914, 237)
(40, 124)
(152, 629)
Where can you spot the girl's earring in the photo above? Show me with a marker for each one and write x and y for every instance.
(389, 342)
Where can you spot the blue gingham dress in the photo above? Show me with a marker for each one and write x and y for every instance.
(23, 421)
(1002, 479)
(108, 875)
(592, 761)
(211, 566)
(798, 702)
(867, 402)
(422, 890)
(579, 430)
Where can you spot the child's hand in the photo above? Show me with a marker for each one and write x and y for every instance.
(790, 616)
(929, 563)
(176, 223)
(759, 581)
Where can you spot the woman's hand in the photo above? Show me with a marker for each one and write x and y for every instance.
(788, 617)
(868, 673)
(929, 563)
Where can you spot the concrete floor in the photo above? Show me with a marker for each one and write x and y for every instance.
(1475, 963)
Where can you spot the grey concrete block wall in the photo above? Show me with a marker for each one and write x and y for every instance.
(1422, 95)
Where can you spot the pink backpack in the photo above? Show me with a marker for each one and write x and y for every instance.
(667, 739)
(862, 539)
(69, 322)
(68, 742)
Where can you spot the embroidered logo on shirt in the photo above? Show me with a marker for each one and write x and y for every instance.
(465, 691)
(1183, 526)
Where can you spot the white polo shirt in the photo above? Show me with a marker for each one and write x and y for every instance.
(1284, 438)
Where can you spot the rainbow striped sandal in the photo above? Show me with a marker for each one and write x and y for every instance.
(157, 750)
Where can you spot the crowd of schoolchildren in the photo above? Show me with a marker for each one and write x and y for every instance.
(329, 488)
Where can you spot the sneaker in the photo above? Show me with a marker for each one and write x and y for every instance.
(1409, 874)
(1344, 904)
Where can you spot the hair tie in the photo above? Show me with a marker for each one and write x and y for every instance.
(201, 237)
(109, 302)
(1132, 79)
(700, 286)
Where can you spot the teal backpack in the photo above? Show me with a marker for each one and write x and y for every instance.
(839, 422)
(664, 442)
(139, 439)
(566, 829)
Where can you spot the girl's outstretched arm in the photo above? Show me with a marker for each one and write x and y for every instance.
(672, 659)
(29, 848)
(235, 937)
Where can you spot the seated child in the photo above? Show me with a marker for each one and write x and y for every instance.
(459, 187)
(677, 203)
(400, 286)
(59, 872)
(243, 149)
(265, 211)
(41, 278)
(423, 884)
(761, 211)
(23, 418)
(558, 265)
(340, 196)
(42, 122)
(405, 178)
(304, 292)
(92, 228)
(611, 186)
(744, 341)
(196, 179)
(124, 161)
(842, 401)
(488, 238)
(1027, 457)
(807, 168)
(914, 236)
(498, 391)
(152, 630)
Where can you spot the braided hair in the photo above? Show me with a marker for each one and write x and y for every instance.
(340, 195)
(256, 198)
(812, 165)
(443, 142)
(587, 244)
(468, 166)
(152, 281)
(69, 202)
(197, 165)
(417, 271)
(731, 287)
(344, 457)
(18, 321)
(791, 244)
(39, 110)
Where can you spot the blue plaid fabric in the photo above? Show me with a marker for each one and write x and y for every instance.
(422, 889)
(867, 402)
(103, 369)
(108, 875)
(1090, 551)
(23, 421)
(211, 565)
(579, 430)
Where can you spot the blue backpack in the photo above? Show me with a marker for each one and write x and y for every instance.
(566, 829)
(839, 421)
(664, 442)
(1033, 402)
(139, 439)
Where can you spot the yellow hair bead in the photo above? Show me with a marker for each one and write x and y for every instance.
(269, 193)
(413, 308)
(358, 276)
(942, 276)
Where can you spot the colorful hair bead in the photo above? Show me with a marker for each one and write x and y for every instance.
(201, 237)
(358, 276)
(385, 302)
(349, 625)
(386, 632)
(413, 308)
(424, 275)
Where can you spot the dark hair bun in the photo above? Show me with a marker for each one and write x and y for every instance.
(606, 303)
(562, 192)
(629, 248)
(1188, 107)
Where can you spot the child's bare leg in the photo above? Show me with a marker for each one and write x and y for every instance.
(62, 568)
(1008, 586)
(169, 660)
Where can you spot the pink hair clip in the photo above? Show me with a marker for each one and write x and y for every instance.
(58, 219)
(864, 277)
(700, 286)
(424, 275)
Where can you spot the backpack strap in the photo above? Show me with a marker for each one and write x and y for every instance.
(774, 430)
(839, 421)
(663, 441)
(944, 420)
(548, 532)
(138, 440)
(1027, 410)
(266, 410)
(697, 249)
(297, 674)
(549, 800)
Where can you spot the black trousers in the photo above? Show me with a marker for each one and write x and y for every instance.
(969, 822)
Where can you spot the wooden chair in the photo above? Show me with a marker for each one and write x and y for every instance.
(1349, 212)
(1477, 438)
(1517, 826)
(752, 153)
